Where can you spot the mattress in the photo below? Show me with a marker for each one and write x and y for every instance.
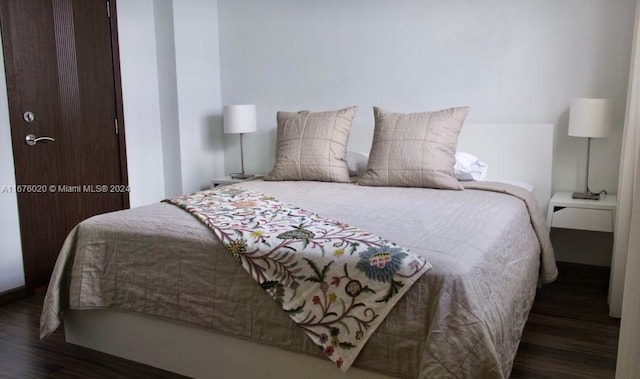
(463, 318)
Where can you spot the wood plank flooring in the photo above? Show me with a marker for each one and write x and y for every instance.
(568, 335)
(24, 356)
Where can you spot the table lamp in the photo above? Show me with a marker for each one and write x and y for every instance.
(240, 119)
(590, 118)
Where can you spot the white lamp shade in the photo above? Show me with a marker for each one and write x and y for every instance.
(239, 119)
(590, 118)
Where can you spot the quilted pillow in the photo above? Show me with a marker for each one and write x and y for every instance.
(415, 149)
(313, 145)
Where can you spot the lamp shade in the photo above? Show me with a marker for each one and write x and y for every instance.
(590, 118)
(239, 119)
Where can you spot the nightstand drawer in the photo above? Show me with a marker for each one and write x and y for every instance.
(599, 220)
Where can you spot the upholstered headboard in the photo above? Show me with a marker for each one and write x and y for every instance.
(516, 152)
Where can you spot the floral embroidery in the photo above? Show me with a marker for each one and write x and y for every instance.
(237, 247)
(298, 233)
(381, 264)
(329, 351)
(244, 204)
(320, 271)
(353, 288)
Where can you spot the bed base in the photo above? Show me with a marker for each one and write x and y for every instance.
(191, 351)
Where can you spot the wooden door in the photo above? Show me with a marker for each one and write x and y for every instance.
(63, 83)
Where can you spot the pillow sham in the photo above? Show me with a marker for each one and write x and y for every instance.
(469, 167)
(312, 145)
(414, 149)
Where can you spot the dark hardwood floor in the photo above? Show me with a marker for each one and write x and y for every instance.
(24, 356)
(569, 335)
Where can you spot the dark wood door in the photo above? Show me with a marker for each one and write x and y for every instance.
(63, 83)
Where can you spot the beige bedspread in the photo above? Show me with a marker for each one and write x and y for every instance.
(462, 319)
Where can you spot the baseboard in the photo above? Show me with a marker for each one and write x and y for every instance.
(13, 295)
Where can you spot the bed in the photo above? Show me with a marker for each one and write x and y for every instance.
(463, 318)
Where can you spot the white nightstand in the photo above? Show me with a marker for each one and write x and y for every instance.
(591, 215)
(227, 180)
(569, 213)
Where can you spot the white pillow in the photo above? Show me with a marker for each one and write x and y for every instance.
(357, 162)
(469, 167)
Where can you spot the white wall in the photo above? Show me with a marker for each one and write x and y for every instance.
(11, 272)
(171, 90)
(138, 61)
(511, 61)
(168, 97)
(198, 86)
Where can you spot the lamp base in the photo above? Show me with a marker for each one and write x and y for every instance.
(586, 195)
(241, 175)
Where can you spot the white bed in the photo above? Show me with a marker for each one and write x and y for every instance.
(513, 152)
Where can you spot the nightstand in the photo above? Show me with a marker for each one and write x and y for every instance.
(591, 215)
(594, 215)
(227, 180)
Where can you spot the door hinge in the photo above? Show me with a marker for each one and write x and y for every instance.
(108, 9)
(116, 123)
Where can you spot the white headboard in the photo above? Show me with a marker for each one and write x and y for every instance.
(520, 152)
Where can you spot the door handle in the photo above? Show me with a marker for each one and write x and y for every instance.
(31, 140)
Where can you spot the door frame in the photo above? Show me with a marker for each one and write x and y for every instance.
(115, 49)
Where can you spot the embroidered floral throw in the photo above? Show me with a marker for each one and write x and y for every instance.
(335, 281)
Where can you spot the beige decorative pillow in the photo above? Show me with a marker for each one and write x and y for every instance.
(415, 149)
(313, 145)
